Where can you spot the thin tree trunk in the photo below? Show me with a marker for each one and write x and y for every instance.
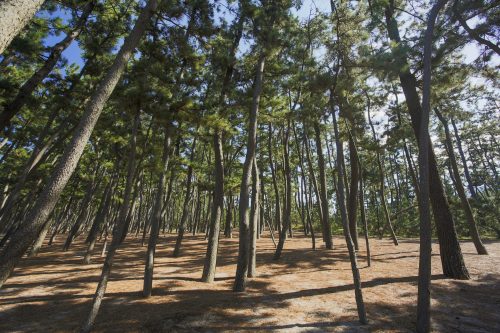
(325, 221)
(217, 211)
(187, 199)
(156, 215)
(120, 223)
(254, 221)
(243, 249)
(469, 215)
(343, 213)
(288, 194)
(424, 264)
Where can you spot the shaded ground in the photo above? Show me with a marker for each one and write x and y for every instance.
(306, 291)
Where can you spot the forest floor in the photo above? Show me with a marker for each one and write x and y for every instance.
(306, 291)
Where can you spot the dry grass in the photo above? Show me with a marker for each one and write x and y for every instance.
(305, 291)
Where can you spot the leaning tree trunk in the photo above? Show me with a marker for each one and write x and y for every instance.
(459, 186)
(254, 221)
(243, 249)
(12, 108)
(382, 187)
(277, 209)
(14, 16)
(352, 203)
(156, 216)
(451, 254)
(187, 199)
(217, 209)
(424, 264)
(120, 223)
(38, 215)
(323, 197)
(98, 224)
(345, 223)
(288, 195)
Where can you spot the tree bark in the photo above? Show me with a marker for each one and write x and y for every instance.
(254, 221)
(343, 213)
(38, 215)
(217, 210)
(323, 196)
(288, 194)
(187, 199)
(14, 16)
(156, 215)
(12, 108)
(451, 255)
(469, 215)
(243, 248)
(425, 258)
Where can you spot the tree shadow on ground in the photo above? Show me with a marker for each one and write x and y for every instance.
(468, 306)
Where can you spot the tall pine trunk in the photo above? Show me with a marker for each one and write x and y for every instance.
(156, 216)
(244, 249)
(451, 254)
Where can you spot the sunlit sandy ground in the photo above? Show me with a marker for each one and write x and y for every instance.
(305, 291)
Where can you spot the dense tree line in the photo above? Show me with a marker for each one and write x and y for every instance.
(211, 117)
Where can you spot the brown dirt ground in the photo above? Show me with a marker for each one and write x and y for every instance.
(305, 291)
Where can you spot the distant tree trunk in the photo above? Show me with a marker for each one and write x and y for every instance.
(82, 216)
(382, 187)
(217, 211)
(39, 241)
(451, 255)
(98, 224)
(469, 215)
(363, 216)
(313, 182)
(187, 199)
(470, 184)
(325, 221)
(352, 203)
(156, 215)
(14, 16)
(12, 108)
(288, 194)
(343, 213)
(38, 215)
(229, 216)
(243, 249)
(254, 221)
(278, 217)
(121, 223)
